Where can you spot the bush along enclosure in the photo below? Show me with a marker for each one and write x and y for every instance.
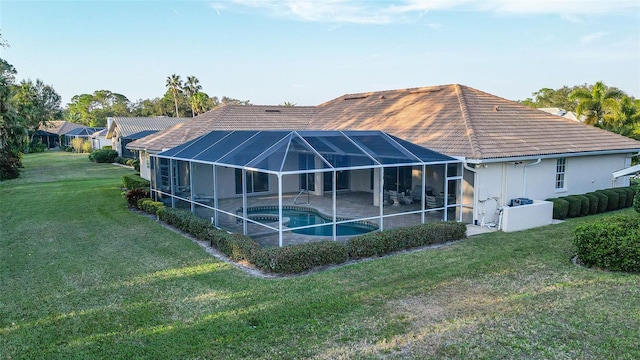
(303, 257)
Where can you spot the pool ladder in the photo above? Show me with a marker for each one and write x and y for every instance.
(295, 199)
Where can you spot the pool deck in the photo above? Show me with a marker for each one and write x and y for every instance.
(353, 205)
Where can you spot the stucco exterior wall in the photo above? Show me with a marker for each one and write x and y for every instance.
(498, 183)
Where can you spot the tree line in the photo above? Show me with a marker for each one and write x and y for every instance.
(599, 105)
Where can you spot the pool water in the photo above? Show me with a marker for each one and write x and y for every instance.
(300, 217)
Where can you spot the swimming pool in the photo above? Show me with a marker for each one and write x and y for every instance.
(301, 216)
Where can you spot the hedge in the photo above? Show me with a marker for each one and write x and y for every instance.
(134, 181)
(574, 206)
(150, 206)
(103, 156)
(584, 204)
(560, 208)
(303, 257)
(622, 197)
(631, 194)
(388, 241)
(603, 201)
(593, 203)
(613, 199)
(612, 244)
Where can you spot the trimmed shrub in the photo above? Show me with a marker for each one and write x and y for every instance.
(10, 164)
(636, 201)
(593, 203)
(584, 204)
(103, 156)
(613, 199)
(612, 244)
(129, 162)
(134, 181)
(384, 242)
(107, 147)
(303, 257)
(622, 197)
(603, 200)
(118, 159)
(574, 206)
(631, 192)
(560, 208)
(136, 165)
(141, 202)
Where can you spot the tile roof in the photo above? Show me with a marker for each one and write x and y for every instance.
(228, 117)
(462, 121)
(132, 125)
(452, 119)
(61, 127)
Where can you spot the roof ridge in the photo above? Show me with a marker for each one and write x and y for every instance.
(467, 121)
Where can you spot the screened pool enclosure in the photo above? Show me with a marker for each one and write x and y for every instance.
(284, 187)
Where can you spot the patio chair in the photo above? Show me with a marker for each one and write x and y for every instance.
(394, 198)
(404, 199)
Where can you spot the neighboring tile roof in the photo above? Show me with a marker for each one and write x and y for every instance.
(131, 125)
(453, 119)
(60, 127)
(228, 117)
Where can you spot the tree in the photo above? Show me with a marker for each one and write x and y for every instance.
(36, 104)
(288, 104)
(547, 97)
(12, 131)
(596, 103)
(175, 85)
(191, 88)
(93, 109)
(201, 103)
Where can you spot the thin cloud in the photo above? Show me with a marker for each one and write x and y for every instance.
(588, 39)
(382, 12)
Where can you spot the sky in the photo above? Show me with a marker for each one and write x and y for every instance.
(309, 52)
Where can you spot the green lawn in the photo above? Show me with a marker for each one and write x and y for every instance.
(82, 277)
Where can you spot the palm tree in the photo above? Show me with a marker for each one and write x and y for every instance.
(200, 103)
(288, 104)
(597, 103)
(175, 85)
(191, 87)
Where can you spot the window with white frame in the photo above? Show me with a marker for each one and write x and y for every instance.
(561, 169)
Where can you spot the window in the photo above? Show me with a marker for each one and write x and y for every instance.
(561, 168)
(256, 182)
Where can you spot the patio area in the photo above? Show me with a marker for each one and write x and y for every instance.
(284, 188)
(351, 205)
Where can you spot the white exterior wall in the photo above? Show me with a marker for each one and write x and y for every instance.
(498, 183)
(145, 165)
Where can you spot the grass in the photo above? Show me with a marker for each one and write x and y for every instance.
(82, 277)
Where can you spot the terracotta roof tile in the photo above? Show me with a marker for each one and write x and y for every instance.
(453, 119)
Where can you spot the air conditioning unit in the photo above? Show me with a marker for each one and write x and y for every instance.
(521, 201)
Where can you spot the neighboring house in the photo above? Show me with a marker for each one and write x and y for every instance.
(123, 130)
(51, 134)
(564, 113)
(84, 133)
(99, 140)
(509, 150)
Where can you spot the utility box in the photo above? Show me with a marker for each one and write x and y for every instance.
(521, 201)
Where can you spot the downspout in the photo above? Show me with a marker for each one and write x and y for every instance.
(475, 193)
(524, 178)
